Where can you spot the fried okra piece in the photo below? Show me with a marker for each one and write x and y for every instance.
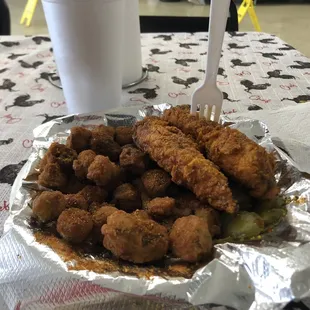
(126, 197)
(76, 201)
(134, 239)
(161, 207)
(103, 172)
(213, 219)
(102, 142)
(133, 160)
(141, 214)
(123, 135)
(93, 194)
(79, 139)
(156, 182)
(48, 206)
(74, 225)
(100, 217)
(82, 163)
(59, 154)
(190, 239)
(52, 177)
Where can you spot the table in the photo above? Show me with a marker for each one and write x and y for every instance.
(257, 71)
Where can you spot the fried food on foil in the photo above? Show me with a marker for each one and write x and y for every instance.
(190, 238)
(134, 238)
(237, 155)
(179, 155)
(79, 139)
(74, 225)
(48, 206)
(53, 177)
(82, 163)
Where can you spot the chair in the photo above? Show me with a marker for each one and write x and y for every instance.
(184, 23)
(5, 23)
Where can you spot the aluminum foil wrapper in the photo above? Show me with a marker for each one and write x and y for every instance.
(264, 275)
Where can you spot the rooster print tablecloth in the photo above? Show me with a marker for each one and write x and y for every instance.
(257, 71)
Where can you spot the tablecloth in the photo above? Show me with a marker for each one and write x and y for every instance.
(258, 71)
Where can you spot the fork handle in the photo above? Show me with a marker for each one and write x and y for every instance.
(217, 26)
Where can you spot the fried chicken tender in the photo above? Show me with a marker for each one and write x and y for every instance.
(82, 163)
(179, 155)
(190, 239)
(52, 177)
(102, 142)
(59, 154)
(103, 172)
(156, 182)
(161, 207)
(74, 225)
(236, 154)
(133, 160)
(213, 219)
(76, 201)
(93, 194)
(79, 139)
(123, 135)
(126, 197)
(134, 239)
(48, 206)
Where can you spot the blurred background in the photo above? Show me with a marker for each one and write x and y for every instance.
(288, 19)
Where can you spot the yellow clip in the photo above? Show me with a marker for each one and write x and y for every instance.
(247, 6)
(29, 12)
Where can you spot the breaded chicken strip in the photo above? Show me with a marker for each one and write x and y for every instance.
(179, 155)
(237, 155)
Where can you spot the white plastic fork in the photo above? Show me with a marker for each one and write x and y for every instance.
(208, 95)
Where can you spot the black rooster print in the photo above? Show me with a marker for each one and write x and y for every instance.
(299, 99)
(266, 41)
(26, 65)
(157, 51)
(301, 65)
(249, 85)
(23, 101)
(6, 142)
(152, 68)
(148, 93)
(9, 44)
(226, 97)
(254, 107)
(277, 74)
(286, 47)
(221, 72)
(47, 76)
(236, 46)
(3, 70)
(38, 40)
(8, 85)
(186, 82)
(184, 62)
(204, 39)
(165, 37)
(188, 45)
(237, 34)
(9, 173)
(51, 50)
(271, 55)
(15, 56)
(48, 118)
(239, 63)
